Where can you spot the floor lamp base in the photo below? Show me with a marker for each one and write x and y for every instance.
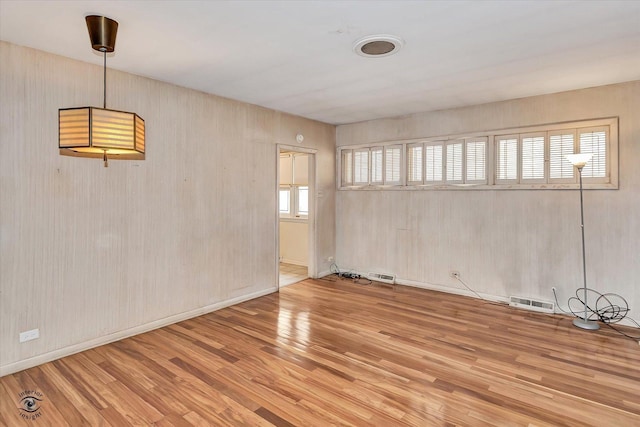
(590, 325)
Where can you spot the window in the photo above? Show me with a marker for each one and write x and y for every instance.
(347, 167)
(285, 201)
(594, 141)
(433, 160)
(414, 164)
(392, 161)
(507, 164)
(371, 166)
(476, 161)
(540, 157)
(303, 201)
(293, 200)
(361, 167)
(532, 157)
(454, 162)
(376, 165)
(560, 144)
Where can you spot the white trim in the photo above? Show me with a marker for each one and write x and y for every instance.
(116, 336)
(451, 290)
(302, 219)
(313, 208)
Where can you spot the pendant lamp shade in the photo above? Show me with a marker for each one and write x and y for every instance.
(100, 132)
(92, 132)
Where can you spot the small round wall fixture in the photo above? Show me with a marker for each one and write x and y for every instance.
(378, 46)
(299, 138)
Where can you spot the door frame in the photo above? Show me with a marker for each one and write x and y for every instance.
(312, 268)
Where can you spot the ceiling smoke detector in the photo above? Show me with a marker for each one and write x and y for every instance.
(378, 46)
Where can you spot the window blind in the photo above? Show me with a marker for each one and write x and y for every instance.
(454, 162)
(476, 160)
(433, 157)
(393, 157)
(414, 164)
(594, 142)
(533, 157)
(559, 146)
(361, 167)
(376, 165)
(507, 167)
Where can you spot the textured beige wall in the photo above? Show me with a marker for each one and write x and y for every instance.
(294, 242)
(516, 242)
(91, 253)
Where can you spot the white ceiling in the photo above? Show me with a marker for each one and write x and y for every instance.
(296, 56)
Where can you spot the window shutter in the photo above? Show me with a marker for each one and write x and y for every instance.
(532, 167)
(376, 165)
(507, 159)
(476, 161)
(361, 167)
(594, 141)
(561, 144)
(414, 164)
(300, 169)
(454, 162)
(286, 169)
(346, 162)
(433, 156)
(393, 157)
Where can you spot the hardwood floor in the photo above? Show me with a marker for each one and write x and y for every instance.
(325, 352)
(290, 273)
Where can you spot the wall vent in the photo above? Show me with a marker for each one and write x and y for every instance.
(532, 304)
(381, 277)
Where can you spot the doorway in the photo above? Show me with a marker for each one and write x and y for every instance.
(296, 218)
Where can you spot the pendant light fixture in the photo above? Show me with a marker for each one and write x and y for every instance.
(99, 132)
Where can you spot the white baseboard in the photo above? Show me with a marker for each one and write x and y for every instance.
(451, 290)
(116, 336)
(489, 297)
(294, 262)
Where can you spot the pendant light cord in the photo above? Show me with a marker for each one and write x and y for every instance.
(104, 99)
(104, 79)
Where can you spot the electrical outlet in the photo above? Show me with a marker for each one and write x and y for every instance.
(330, 259)
(33, 334)
(454, 274)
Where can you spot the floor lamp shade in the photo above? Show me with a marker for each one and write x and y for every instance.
(94, 132)
(579, 160)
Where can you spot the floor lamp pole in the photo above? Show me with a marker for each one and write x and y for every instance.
(584, 323)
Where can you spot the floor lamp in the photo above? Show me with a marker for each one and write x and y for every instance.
(579, 161)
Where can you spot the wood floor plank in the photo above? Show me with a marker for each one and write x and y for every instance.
(332, 352)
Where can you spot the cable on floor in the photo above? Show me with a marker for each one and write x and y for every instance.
(609, 308)
(357, 278)
(486, 301)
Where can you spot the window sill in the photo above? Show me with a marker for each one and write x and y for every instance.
(482, 187)
(301, 219)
